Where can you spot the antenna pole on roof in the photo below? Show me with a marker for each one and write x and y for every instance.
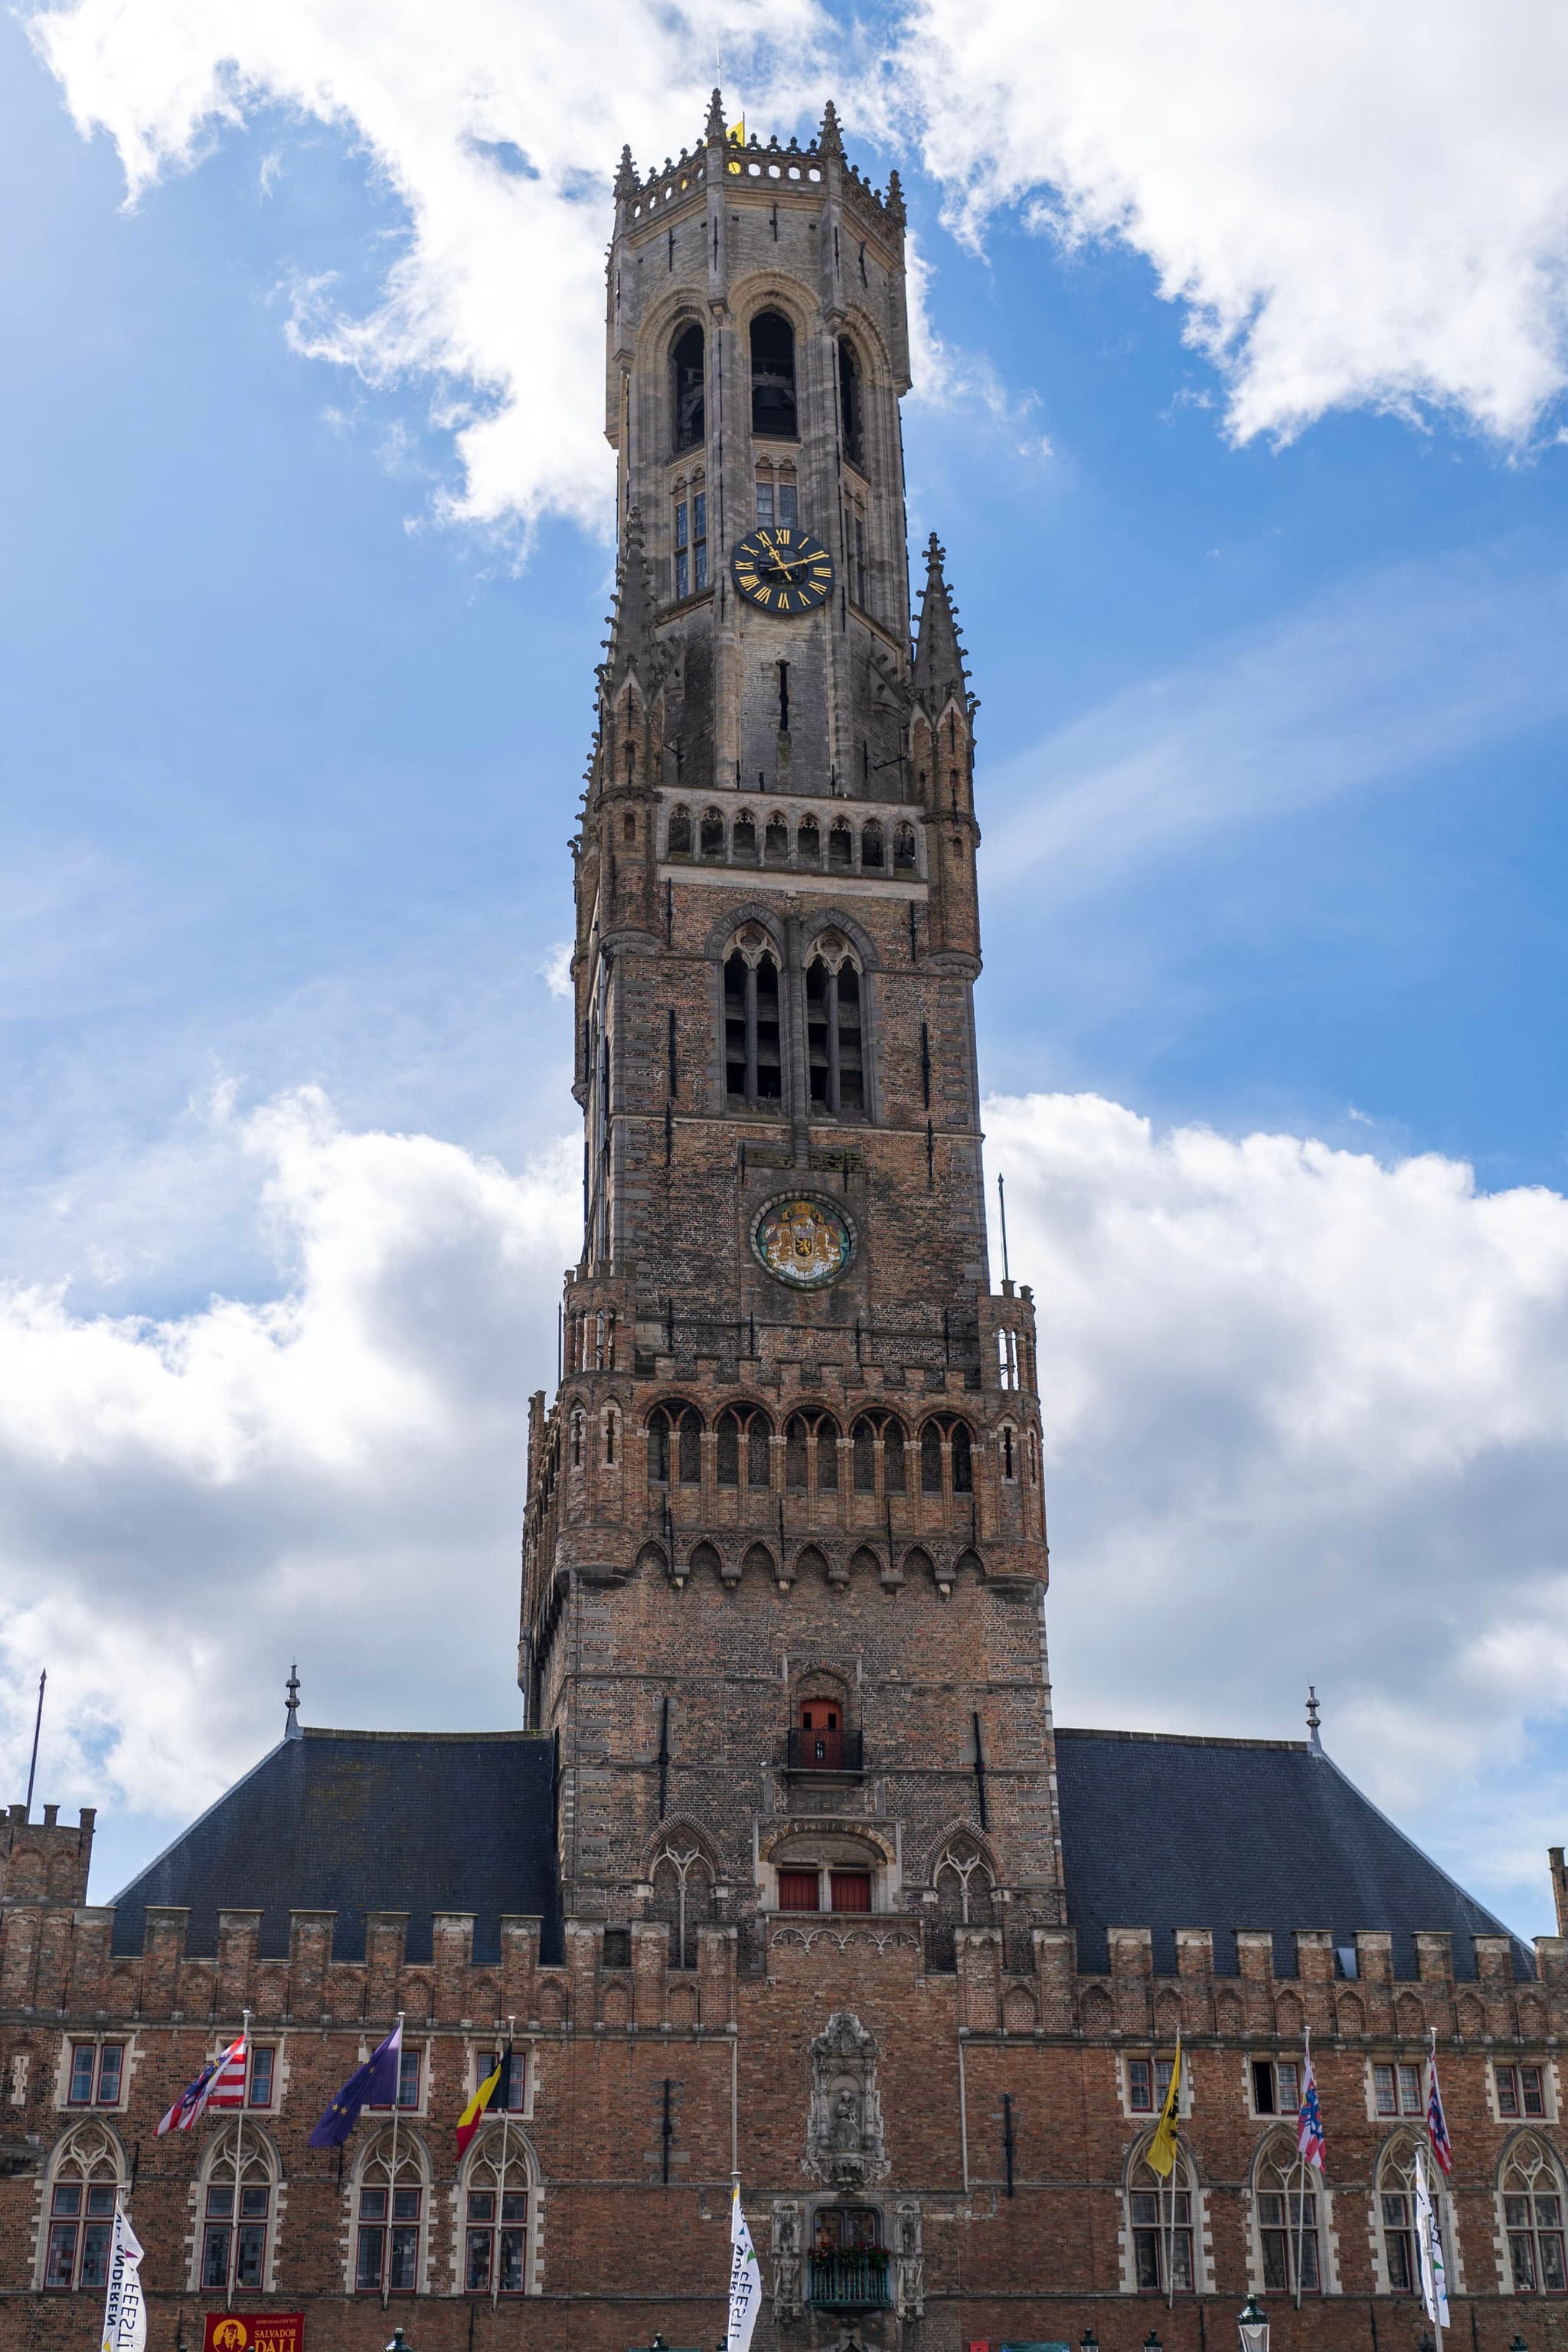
(38, 1726)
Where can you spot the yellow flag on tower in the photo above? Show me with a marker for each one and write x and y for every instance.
(1162, 2156)
(738, 131)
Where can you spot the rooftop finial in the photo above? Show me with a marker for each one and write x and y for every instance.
(291, 1726)
(829, 137)
(626, 178)
(713, 129)
(1314, 1742)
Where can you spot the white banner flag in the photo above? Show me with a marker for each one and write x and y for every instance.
(124, 2313)
(1429, 2247)
(745, 2281)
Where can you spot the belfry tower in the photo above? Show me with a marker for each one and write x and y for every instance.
(785, 1549)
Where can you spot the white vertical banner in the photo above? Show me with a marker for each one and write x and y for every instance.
(124, 2312)
(745, 2280)
(1429, 2247)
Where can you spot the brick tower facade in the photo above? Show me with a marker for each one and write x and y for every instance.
(785, 1549)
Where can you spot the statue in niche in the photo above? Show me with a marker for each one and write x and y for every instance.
(845, 2140)
(910, 2258)
(787, 2303)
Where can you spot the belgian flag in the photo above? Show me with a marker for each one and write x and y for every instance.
(473, 2115)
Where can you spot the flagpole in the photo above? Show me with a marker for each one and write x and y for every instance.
(1437, 2188)
(238, 2156)
(500, 2191)
(1302, 2166)
(391, 2185)
(1175, 2117)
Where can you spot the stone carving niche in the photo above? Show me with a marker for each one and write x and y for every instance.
(844, 2143)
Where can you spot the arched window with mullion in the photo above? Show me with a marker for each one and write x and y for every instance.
(754, 1058)
(1288, 2242)
(773, 411)
(1532, 2212)
(834, 1035)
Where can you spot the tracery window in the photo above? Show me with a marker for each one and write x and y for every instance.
(743, 839)
(1159, 2218)
(690, 544)
(389, 2216)
(677, 841)
(742, 1436)
(808, 840)
(811, 1452)
(1288, 2222)
(1532, 2218)
(878, 1454)
(773, 414)
(834, 1041)
(496, 2205)
(841, 846)
(870, 846)
(711, 834)
(691, 396)
(675, 1445)
(682, 1898)
(754, 1061)
(85, 2181)
(1395, 2203)
(775, 839)
(965, 1897)
(904, 849)
(238, 2186)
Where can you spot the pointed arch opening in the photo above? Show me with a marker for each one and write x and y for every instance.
(773, 410)
(689, 389)
(1286, 2203)
(1160, 2217)
(753, 1057)
(834, 1028)
(390, 2193)
(1533, 2219)
(851, 401)
(238, 2189)
(86, 2176)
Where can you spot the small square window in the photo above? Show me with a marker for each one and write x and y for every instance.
(1140, 2086)
(617, 1947)
(110, 2062)
(261, 2077)
(1410, 2100)
(765, 504)
(84, 2063)
(788, 509)
(1383, 2090)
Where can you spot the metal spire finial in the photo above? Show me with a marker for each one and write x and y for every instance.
(1313, 1741)
(291, 1726)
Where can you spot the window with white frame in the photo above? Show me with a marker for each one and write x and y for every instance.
(389, 2214)
(85, 2179)
(410, 2083)
(1148, 2080)
(1521, 2090)
(238, 2189)
(510, 2094)
(1397, 2089)
(1276, 2086)
(1395, 2200)
(1532, 2218)
(95, 2075)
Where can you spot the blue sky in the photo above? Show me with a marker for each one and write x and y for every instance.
(297, 698)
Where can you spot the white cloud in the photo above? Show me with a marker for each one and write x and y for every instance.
(1306, 1413)
(1356, 206)
(555, 972)
(498, 129)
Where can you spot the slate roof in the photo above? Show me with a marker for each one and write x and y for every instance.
(1165, 1833)
(354, 1820)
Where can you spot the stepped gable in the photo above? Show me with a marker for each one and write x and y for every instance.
(1162, 1831)
(354, 1820)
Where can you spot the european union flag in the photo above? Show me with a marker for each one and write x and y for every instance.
(377, 2079)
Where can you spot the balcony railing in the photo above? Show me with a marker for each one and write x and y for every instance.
(824, 1751)
(854, 2281)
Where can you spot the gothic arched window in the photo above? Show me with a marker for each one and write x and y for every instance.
(754, 1060)
(772, 377)
(871, 845)
(833, 1029)
(690, 399)
(84, 2182)
(743, 1435)
(878, 1440)
(1395, 2204)
(811, 1438)
(674, 1445)
(1285, 2198)
(743, 839)
(390, 2201)
(775, 840)
(711, 832)
(904, 849)
(841, 846)
(1533, 2216)
(496, 2187)
(239, 2184)
(678, 842)
(683, 1899)
(851, 406)
(959, 1452)
(1160, 2222)
(808, 842)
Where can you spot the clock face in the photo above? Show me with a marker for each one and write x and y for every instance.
(803, 1242)
(782, 569)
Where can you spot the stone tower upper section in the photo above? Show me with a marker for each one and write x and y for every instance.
(757, 350)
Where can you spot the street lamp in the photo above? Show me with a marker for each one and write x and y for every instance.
(1152, 2342)
(399, 2341)
(1088, 2341)
(1252, 2324)
(1519, 2344)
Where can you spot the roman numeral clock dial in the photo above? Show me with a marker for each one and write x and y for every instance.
(783, 570)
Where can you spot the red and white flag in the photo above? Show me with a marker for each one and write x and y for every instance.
(196, 2098)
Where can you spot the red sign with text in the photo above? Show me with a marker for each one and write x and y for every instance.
(255, 2331)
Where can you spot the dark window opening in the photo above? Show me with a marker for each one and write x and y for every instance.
(904, 849)
(849, 401)
(772, 377)
(691, 396)
(678, 841)
(674, 1445)
(775, 840)
(930, 1459)
(833, 1038)
(784, 697)
(963, 1468)
(840, 846)
(617, 1947)
(871, 845)
(744, 843)
(712, 834)
(808, 842)
(754, 1064)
